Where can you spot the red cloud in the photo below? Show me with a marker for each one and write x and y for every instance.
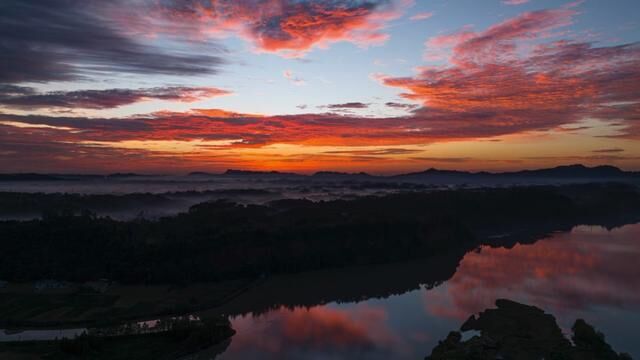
(500, 82)
(286, 27)
(497, 43)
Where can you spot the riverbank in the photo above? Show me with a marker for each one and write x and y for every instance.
(176, 340)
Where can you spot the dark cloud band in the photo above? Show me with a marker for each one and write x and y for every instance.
(12, 96)
(48, 40)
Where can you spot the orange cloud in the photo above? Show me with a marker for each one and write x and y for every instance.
(286, 27)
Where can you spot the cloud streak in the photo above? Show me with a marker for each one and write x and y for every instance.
(349, 105)
(28, 98)
(515, 2)
(421, 16)
(404, 106)
(60, 40)
(608, 151)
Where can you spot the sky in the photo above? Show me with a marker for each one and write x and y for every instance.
(382, 86)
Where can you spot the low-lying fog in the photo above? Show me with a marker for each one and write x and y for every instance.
(129, 196)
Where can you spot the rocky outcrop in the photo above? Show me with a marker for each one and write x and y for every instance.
(518, 331)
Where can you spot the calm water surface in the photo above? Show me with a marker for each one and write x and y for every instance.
(588, 273)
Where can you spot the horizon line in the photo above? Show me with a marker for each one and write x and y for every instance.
(284, 172)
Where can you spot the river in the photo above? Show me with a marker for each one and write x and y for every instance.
(589, 272)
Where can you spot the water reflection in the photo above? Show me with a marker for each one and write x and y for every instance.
(362, 331)
(587, 273)
(568, 272)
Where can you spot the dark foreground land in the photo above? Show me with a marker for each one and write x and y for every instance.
(220, 240)
(517, 331)
(178, 340)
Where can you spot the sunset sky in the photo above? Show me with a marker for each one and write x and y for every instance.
(169, 86)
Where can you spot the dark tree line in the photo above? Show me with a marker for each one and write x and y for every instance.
(221, 240)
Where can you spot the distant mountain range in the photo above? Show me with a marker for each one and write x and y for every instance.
(565, 171)
(576, 171)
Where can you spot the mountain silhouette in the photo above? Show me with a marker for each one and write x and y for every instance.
(575, 171)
